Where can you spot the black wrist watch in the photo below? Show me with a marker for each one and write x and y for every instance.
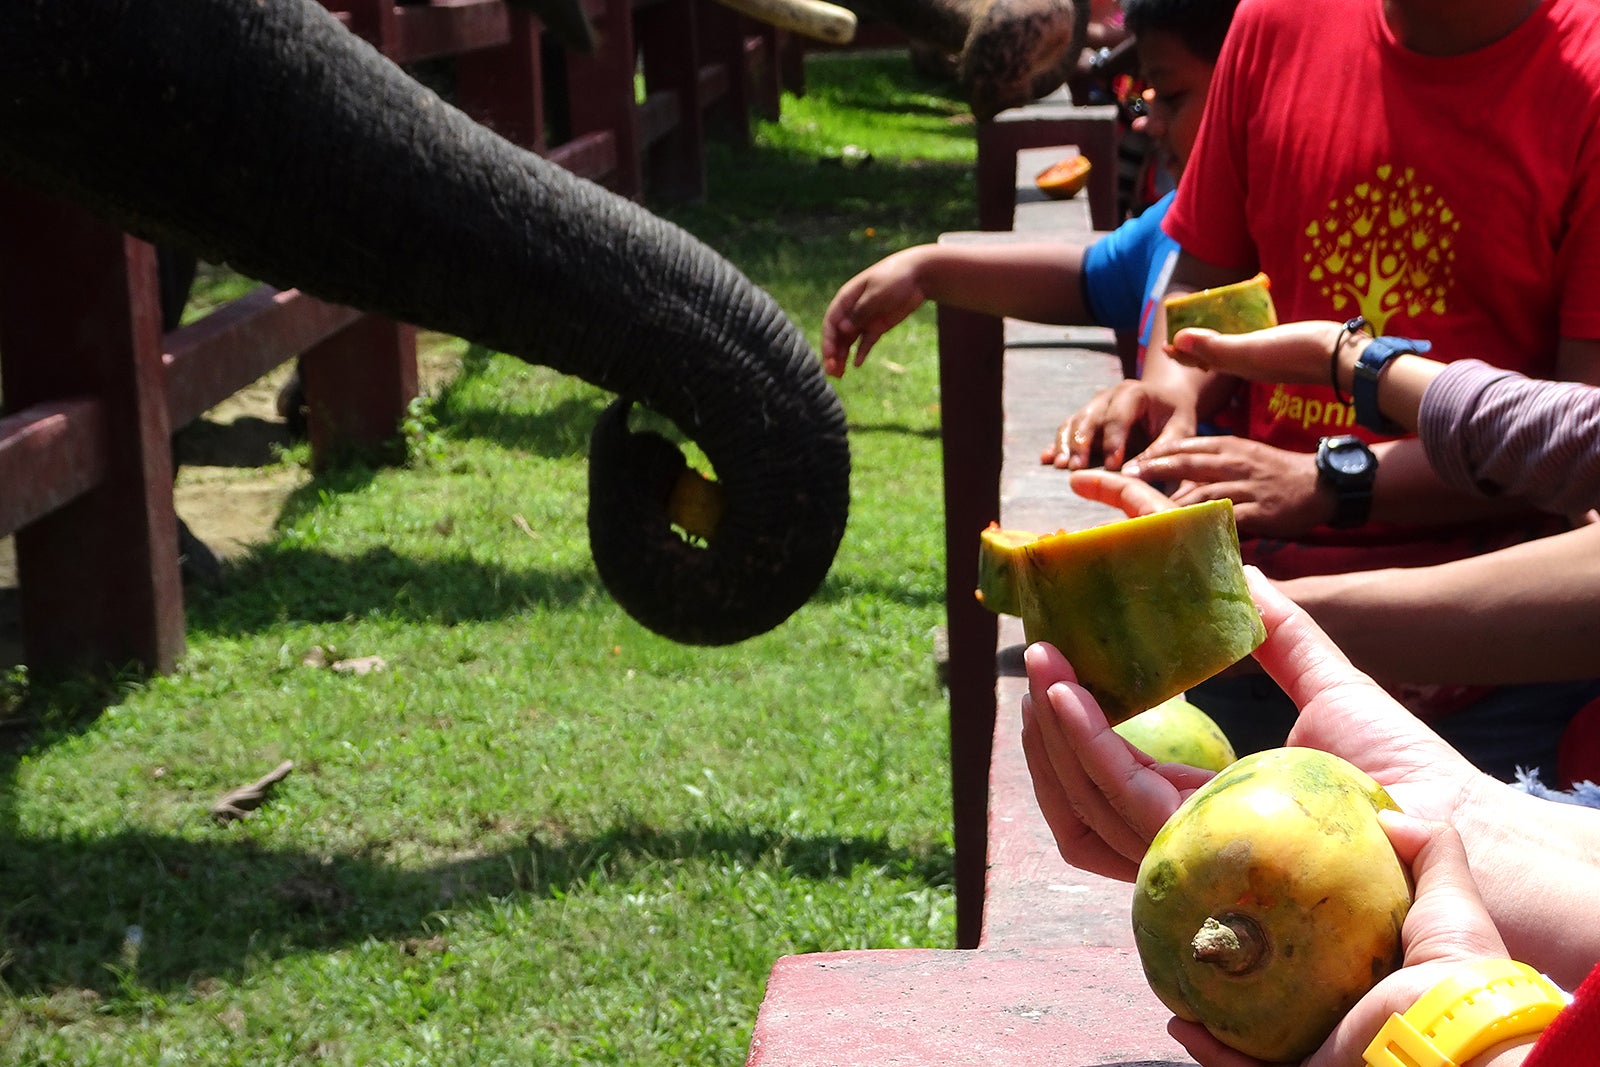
(1368, 369)
(1347, 466)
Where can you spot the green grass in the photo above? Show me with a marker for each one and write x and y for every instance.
(540, 834)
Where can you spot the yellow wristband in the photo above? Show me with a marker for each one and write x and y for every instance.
(1467, 1014)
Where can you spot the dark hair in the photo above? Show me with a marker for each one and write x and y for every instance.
(1199, 24)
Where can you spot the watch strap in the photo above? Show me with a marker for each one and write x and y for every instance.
(1369, 368)
(1468, 1013)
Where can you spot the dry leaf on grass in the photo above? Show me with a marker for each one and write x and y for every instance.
(320, 656)
(236, 803)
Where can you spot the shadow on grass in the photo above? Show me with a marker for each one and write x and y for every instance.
(283, 582)
(209, 908)
(927, 433)
(303, 585)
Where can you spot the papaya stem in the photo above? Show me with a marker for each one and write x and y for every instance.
(1235, 943)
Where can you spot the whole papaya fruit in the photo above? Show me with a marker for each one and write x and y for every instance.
(1271, 901)
(1175, 731)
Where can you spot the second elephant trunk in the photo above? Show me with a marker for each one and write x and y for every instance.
(263, 134)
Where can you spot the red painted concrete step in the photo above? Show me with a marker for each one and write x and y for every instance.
(1071, 1007)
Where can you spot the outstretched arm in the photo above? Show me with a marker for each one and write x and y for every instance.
(1038, 281)
(1484, 429)
(1483, 626)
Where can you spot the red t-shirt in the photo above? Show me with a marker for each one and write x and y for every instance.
(1450, 198)
(1574, 1036)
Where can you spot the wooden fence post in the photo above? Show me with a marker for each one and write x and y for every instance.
(80, 319)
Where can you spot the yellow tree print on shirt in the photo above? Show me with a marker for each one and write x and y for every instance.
(1387, 246)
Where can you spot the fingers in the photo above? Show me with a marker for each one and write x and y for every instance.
(1194, 346)
(1116, 795)
(1292, 352)
(1345, 712)
(839, 330)
(869, 337)
(1299, 656)
(1073, 445)
(1188, 458)
(1125, 412)
(1078, 844)
(1128, 494)
(1207, 1050)
(1448, 918)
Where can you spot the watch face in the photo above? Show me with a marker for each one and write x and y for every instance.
(1347, 459)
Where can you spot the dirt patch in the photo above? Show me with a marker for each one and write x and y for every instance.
(230, 488)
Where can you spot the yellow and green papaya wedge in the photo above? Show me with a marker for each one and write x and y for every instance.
(998, 549)
(1236, 308)
(1143, 608)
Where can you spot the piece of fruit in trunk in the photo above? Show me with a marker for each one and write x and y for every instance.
(1142, 608)
(1271, 901)
(1237, 308)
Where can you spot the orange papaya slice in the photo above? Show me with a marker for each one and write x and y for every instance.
(1065, 179)
(1143, 608)
(1236, 308)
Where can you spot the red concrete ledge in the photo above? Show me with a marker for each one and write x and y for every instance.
(1071, 1007)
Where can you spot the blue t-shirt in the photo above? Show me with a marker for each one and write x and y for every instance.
(1126, 272)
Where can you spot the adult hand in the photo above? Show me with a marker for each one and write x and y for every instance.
(1295, 352)
(1104, 800)
(1275, 492)
(1447, 926)
(1134, 498)
(1114, 423)
(868, 306)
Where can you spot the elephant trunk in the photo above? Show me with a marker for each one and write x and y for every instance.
(939, 22)
(262, 134)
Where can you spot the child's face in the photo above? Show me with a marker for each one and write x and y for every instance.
(1176, 98)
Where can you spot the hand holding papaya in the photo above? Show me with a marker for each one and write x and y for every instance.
(1536, 862)
(1448, 925)
(1104, 802)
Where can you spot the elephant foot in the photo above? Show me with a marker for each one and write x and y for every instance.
(291, 406)
(932, 61)
(197, 563)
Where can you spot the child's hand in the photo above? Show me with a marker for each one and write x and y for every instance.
(867, 307)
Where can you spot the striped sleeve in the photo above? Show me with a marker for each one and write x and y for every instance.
(1496, 432)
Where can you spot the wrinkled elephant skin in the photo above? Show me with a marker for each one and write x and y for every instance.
(1009, 52)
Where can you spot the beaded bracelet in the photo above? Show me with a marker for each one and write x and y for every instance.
(1350, 327)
